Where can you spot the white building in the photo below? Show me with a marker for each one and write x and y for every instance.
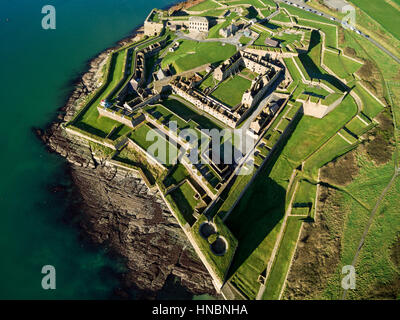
(199, 24)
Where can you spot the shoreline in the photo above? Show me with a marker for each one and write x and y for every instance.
(90, 66)
(178, 260)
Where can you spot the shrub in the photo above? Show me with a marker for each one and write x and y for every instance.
(212, 238)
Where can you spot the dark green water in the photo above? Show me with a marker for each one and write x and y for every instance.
(36, 69)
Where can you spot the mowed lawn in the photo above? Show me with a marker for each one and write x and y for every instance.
(184, 198)
(371, 107)
(343, 67)
(230, 91)
(188, 114)
(287, 38)
(383, 13)
(256, 221)
(192, 54)
(146, 137)
(264, 202)
(283, 258)
(328, 29)
(311, 133)
(334, 148)
(294, 72)
(90, 119)
(205, 5)
(260, 41)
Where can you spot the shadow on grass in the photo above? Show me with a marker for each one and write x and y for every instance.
(260, 209)
(88, 128)
(313, 70)
(183, 205)
(187, 114)
(252, 13)
(270, 25)
(117, 132)
(101, 91)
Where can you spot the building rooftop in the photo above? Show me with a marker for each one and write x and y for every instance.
(271, 42)
(198, 19)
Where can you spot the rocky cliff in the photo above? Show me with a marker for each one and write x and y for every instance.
(120, 212)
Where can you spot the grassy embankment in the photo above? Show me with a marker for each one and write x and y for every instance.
(192, 54)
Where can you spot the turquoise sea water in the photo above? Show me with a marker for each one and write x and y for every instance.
(36, 69)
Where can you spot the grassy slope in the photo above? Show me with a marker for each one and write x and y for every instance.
(281, 264)
(383, 13)
(90, 120)
(311, 132)
(146, 137)
(374, 263)
(192, 54)
(205, 5)
(342, 66)
(231, 90)
(188, 114)
(266, 199)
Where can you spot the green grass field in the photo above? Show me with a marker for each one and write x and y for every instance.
(283, 258)
(340, 65)
(189, 114)
(383, 13)
(145, 137)
(89, 120)
(205, 5)
(230, 91)
(260, 41)
(177, 174)
(371, 107)
(334, 148)
(165, 116)
(294, 72)
(287, 38)
(192, 54)
(266, 197)
(245, 40)
(374, 265)
(247, 73)
(185, 201)
(311, 132)
(281, 17)
(219, 264)
(265, 200)
(358, 127)
(209, 82)
(138, 161)
(386, 69)
(254, 3)
(305, 194)
(329, 30)
(214, 30)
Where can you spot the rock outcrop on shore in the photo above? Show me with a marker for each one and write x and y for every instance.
(121, 213)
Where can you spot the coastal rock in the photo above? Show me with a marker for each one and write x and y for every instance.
(120, 212)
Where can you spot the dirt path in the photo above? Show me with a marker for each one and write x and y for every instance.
(371, 218)
(383, 194)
